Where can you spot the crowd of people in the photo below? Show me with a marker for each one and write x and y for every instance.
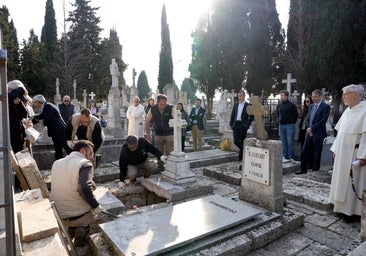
(80, 135)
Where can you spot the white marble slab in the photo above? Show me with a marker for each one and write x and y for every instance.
(164, 229)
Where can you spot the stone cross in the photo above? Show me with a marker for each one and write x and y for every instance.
(295, 95)
(57, 86)
(324, 91)
(258, 111)
(114, 72)
(92, 95)
(85, 94)
(74, 85)
(177, 123)
(288, 82)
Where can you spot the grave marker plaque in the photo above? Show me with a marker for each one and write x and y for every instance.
(256, 164)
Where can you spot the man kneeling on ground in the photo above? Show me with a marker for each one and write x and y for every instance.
(72, 191)
(134, 156)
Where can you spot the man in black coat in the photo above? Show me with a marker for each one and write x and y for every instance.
(240, 122)
(17, 112)
(53, 121)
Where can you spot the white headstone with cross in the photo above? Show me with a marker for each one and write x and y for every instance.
(288, 81)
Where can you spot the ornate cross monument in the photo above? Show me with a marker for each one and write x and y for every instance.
(57, 98)
(177, 169)
(258, 111)
(92, 95)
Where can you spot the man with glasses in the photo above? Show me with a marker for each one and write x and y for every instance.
(72, 191)
(66, 108)
(315, 132)
(85, 126)
(135, 115)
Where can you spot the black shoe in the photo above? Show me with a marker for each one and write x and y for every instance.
(240, 167)
(300, 172)
(351, 219)
(315, 170)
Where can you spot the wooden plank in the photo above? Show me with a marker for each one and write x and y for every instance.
(18, 172)
(30, 170)
(37, 220)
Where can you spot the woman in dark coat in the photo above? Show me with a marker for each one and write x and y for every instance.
(185, 116)
(302, 127)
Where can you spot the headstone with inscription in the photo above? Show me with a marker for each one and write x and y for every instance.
(262, 174)
(162, 230)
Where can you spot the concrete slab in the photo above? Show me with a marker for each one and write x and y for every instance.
(309, 192)
(174, 193)
(359, 251)
(107, 200)
(171, 227)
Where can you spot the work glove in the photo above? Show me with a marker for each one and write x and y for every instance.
(98, 210)
(163, 158)
(121, 185)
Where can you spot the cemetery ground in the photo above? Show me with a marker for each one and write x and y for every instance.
(307, 225)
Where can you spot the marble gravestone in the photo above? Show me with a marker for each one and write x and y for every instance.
(164, 229)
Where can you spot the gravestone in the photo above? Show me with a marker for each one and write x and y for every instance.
(262, 174)
(85, 95)
(75, 101)
(162, 230)
(114, 116)
(177, 169)
(182, 97)
(57, 98)
(171, 93)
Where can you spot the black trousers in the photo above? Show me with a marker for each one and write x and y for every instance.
(240, 133)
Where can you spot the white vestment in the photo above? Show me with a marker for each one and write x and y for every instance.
(349, 145)
(135, 116)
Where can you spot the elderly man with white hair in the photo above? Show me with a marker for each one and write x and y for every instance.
(135, 116)
(53, 121)
(349, 149)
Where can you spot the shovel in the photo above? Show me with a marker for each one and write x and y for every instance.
(111, 214)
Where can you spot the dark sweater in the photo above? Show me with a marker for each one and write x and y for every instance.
(135, 157)
(287, 113)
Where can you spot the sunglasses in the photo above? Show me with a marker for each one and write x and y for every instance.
(307, 101)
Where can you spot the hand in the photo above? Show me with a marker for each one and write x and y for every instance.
(70, 144)
(163, 158)
(98, 210)
(121, 184)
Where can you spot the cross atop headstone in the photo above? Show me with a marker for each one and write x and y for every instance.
(324, 91)
(288, 81)
(295, 95)
(92, 95)
(177, 123)
(258, 111)
(57, 86)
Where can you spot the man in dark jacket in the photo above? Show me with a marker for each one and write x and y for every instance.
(66, 108)
(287, 116)
(17, 112)
(197, 122)
(240, 122)
(53, 121)
(134, 156)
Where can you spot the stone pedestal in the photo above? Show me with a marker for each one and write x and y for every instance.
(262, 174)
(177, 170)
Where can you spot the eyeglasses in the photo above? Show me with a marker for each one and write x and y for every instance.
(344, 94)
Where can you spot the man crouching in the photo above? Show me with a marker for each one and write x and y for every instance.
(134, 156)
(72, 191)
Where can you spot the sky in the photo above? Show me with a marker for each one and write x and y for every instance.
(138, 25)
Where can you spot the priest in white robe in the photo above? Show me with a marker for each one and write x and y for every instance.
(136, 116)
(349, 149)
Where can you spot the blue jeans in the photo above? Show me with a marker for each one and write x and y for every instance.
(287, 134)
